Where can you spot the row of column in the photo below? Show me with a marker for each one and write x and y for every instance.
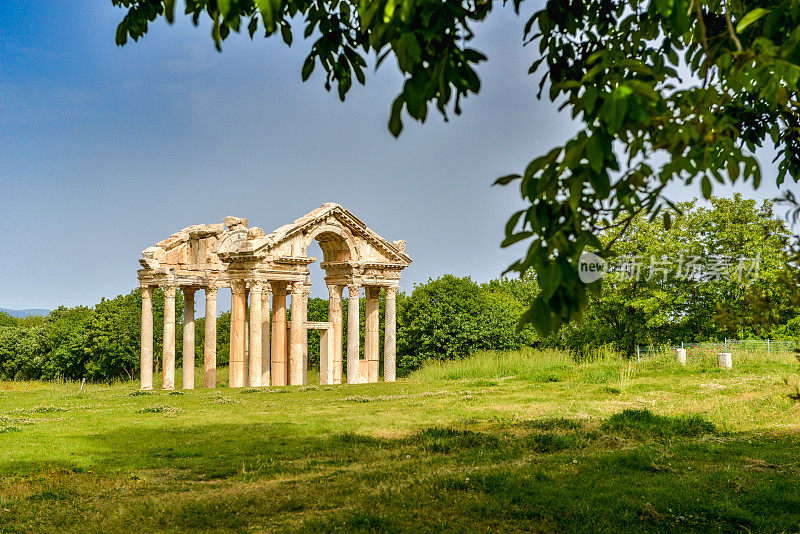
(209, 348)
(247, 363)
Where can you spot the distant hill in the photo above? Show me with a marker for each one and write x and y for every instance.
(24, 313)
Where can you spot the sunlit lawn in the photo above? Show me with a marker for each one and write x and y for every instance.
(502, 442)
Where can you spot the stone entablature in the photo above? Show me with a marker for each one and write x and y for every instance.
(256, 265)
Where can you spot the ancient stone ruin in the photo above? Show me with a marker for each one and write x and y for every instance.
(256, 265)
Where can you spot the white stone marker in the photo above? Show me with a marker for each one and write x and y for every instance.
(725, 360)
(682, 356)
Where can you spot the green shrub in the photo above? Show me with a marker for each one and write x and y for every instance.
(450, 318)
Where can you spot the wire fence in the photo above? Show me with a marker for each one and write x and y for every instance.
(695, 350)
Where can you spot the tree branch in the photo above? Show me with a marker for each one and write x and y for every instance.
(731, 31)
(703, 39)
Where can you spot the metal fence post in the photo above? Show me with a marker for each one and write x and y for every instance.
(638, 355)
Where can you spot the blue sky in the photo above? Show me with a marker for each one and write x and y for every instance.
(106, 150)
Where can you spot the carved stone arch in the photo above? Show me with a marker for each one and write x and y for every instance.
(230, 241)
(336, 241)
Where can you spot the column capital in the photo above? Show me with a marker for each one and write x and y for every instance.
(278, 287)
(256, 286)
(237, 286)
(188, 291)
(147, 291)
(354, 291)
(334, 291)
(211, 291)
(391, 292)
(298, 288)
(372, 292)
(170, 291)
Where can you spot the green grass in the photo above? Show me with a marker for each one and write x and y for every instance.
(490, 443)
(535, 365)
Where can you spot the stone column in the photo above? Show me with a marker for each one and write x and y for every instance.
(188, 338)
(238, 329)
(372, 333)
(278, 371)
(390, 336)
(210, 345)
(296, 336)
(306, 293)
(266, 311)
(254, 374)
(146, 361)
(168, 365)
(335, 317)
(353, 341)
(246, 358)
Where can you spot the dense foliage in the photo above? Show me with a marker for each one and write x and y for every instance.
(452, 317)
(739, 280)
(99, 344)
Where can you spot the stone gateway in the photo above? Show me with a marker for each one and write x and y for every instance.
(261, 269)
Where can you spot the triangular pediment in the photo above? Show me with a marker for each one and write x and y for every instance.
(329, 218)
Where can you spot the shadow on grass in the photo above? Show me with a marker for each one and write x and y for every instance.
(634, 472)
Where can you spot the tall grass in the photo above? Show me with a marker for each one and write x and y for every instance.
(531, 364)
(602, 366)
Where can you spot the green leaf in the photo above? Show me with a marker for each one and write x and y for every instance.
(169, 11)
(594, 153)
(667, 221)
(224, 7)
(388, 11)
(308, 67)
(513, 221)
(705, 184)
(268, 15)
(541, 316)
(733, 170)
(750, 18)
(474, 56)
(412, 47)
(286, 33)
(680, 16)
(615, 108)
(507, 179)
(253, 26)
(665, 7)
(395, 119)
(549, 276)
(122, 34)
(515, 238)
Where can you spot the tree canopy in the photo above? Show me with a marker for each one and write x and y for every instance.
(665, 91)
(718, 272)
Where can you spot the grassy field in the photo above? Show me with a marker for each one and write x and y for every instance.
(500, 442)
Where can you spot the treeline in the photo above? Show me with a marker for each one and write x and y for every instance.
(99, 343)
(444, 318)
(451, 317)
